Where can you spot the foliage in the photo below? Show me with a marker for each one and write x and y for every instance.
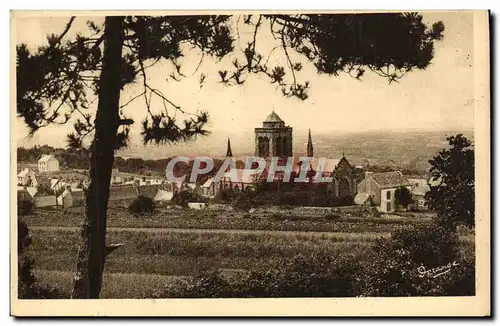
(141, 205)
(175, 253)
(62, 72)
(317, 275)
(45, 189)
(25, 205)
(68, 158)
(183, 197)
(393, 267)
(453, 198)
(403, 197)
(27, 285)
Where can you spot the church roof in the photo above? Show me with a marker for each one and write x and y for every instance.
(329, 165)
(273, 117)
(240, 175)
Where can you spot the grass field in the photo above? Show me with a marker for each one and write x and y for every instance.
(118, 216)
(171, 245)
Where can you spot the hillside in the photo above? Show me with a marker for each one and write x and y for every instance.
(381, 148)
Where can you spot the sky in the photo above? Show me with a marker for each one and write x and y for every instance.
(439, 98)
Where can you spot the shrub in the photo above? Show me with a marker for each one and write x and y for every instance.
(141, 205)
(28, 287)
(207, 285)
(25, 205)
(403, 197)
(318, 275)
(396, 266)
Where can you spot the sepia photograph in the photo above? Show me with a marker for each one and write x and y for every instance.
(250, 163)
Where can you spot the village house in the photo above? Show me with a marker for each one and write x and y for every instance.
(209, 188)
(382, 188)
(65, 200)
(27, 177)
(420, 188)
(115, 177)
(48, 163)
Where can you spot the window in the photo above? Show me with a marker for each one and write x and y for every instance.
(388, 194)
(388, 207)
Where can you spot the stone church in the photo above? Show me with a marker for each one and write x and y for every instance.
(275, 139)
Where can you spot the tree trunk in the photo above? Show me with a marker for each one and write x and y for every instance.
(92, 251)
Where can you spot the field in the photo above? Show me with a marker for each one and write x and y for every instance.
(175, 244)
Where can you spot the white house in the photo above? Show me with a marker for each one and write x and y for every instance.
(209, 188)
(197, 205)
(163, 195)
(48, 163)
(382, 188)
(27, 177)
(65, 199)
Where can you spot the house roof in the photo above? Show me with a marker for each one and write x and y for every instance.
(361, 198)
(208, 183)
(390, 179)
(24, 173)
(418, 181)
(420, 190)
(163, 195)
(32, 191)
(191, 185)
(65, 193)
(328, 166)
(53, 182)
(273, 117)
(46, 158)
(420, 186)
(122, 192)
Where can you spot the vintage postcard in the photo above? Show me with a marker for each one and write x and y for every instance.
(250, 163)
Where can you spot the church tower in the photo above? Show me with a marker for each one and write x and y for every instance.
(229, 152)
(310, 149)
(274, 138)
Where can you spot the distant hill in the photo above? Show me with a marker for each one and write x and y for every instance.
(399, 149)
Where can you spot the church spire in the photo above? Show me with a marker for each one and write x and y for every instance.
(229, 152)
(310, 150)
